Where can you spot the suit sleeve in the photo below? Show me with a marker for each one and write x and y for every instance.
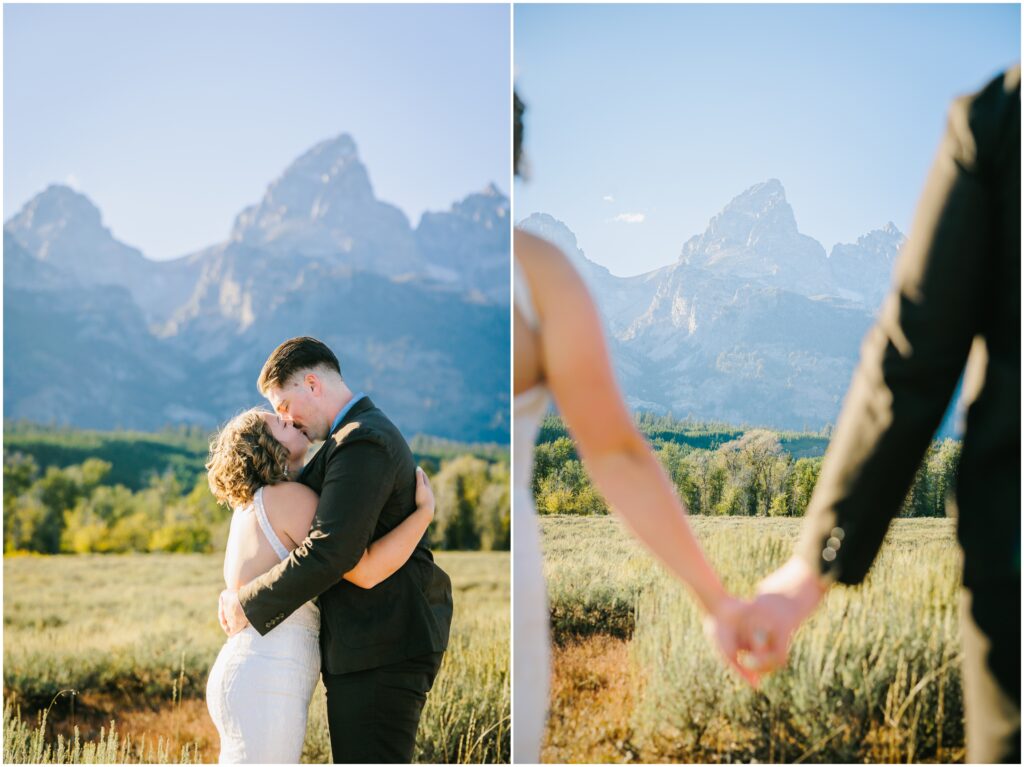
(357, 481)
(910, 360)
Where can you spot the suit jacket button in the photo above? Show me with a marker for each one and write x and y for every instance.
(268, 625)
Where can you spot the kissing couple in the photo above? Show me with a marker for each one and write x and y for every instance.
(347, 529)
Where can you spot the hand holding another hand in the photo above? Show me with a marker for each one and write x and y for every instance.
(726, 627)
(755, 636)
(785, 599)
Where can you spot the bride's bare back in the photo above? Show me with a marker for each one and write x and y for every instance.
(290, 507)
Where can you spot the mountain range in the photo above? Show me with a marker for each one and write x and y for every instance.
(97, 335)
(754, 323)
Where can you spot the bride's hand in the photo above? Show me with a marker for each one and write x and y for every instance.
(424, 493)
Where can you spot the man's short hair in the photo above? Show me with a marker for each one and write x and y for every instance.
(294, 355)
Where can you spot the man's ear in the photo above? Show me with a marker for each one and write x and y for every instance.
(312, 382)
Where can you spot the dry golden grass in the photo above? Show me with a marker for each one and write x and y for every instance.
(592, 694)
(179, 724)
(135, 636)
(874, 675)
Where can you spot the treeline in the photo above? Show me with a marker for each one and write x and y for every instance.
(704, 435)
(157, 499)
(71, 510)
(134, 457)
(431, 451)
(474, 505)
(754, 473)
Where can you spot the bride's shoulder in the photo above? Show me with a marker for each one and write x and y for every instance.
(531, 251)
(287, 492)
(290, 507)
(543, 263)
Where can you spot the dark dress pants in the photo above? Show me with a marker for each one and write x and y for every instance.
(373, 714)
(990, 618)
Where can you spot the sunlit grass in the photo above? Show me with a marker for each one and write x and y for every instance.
(143, 629)
(873, 676)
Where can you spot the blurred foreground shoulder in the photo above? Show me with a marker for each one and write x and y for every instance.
(984, 124)
(546, 266)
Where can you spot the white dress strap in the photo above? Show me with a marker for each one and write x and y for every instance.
(261, 516)
(523, 298)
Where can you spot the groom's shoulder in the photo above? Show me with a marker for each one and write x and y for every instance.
(369, 424)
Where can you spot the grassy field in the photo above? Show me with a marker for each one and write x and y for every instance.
(873, 677)
(134, 637)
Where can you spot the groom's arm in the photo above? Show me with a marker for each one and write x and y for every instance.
(909, 366)
(912, 358)
(357, 482)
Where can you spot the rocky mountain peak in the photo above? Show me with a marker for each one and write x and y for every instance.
(549, 228)
(492, 190)
(488, 203)
(64, 228)
(55, 212)
(468, 243)
(880, 244)
(888, 239)
(764, 195)
(761, 209)
(319, 188)
(323, 206)
(329, 163)
(755, 237)
(892, 230)
(861, 271)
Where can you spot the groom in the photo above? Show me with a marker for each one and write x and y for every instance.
(956, 299)
(381, 647)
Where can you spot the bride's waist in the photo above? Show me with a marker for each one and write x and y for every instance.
(305, 620)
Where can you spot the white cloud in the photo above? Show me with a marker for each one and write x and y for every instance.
(629, 218)
(72, 180)
(608, 198)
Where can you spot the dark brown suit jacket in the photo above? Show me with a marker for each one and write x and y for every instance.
(365, 476)
(956, 291)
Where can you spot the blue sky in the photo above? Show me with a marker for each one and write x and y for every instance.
(173, 118)
(665, 113)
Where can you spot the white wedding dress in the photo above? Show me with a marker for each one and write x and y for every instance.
(259, 688)
(531, 645)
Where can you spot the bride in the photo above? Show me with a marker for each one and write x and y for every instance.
(559, 351)
(259, 688)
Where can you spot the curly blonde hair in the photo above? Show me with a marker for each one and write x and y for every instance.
(244, 456)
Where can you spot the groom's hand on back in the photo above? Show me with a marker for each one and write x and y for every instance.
(232, 617)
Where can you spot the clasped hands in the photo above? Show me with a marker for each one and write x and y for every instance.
(755, 636)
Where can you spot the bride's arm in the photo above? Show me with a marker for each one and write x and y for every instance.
(575, 364)
(389, 552)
